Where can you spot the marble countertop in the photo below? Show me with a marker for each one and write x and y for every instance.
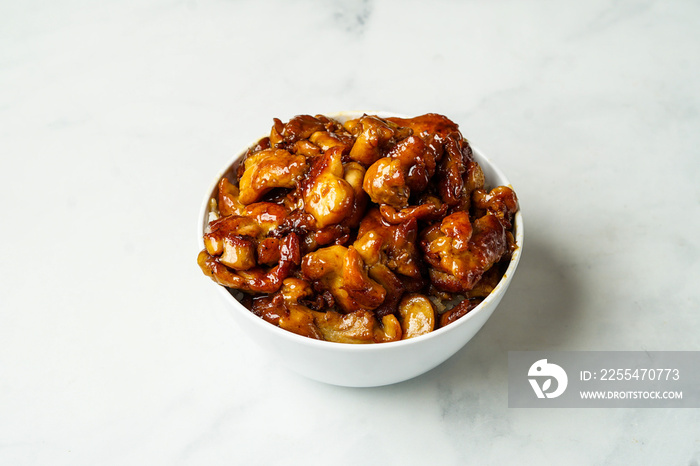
(116, 116)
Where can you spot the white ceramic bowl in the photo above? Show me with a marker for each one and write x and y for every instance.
(372, 364)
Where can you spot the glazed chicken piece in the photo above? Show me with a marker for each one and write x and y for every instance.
(489, 280)
(236, 238)
(407, 167)
(286, 309)
(385, 183)
(268, 169)
(418, 160)
(267, 215)
(327, 195)
(231, 226)
(228, 202)
(373, 135)
(341, 271)
(357, 327)
(451, 152)
(326, 140)
(450, 171)
(392, 245)
(417, 315)
(298, 128)
(237, 245)
(460, 253)
(256, 279)
(354, 174)
(297, 318)
(428, 126)
(501, 201)
(391, 254)
(472, 180)
(306, 148)
(429, 208)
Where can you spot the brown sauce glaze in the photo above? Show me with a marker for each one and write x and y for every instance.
(351, 232)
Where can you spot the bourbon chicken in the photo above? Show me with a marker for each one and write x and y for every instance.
(359, 232)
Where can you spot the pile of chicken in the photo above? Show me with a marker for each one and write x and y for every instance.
(359, 232)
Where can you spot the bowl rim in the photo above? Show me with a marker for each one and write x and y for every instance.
(344, 347)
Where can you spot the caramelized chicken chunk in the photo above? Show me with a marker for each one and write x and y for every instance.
(327, 196)
(417, 315)
(327, 140)
(373, 135)
(460, 253)
(357, 327)
(354, 174)
(500, 201)
(430, 125)
(229, 204)
(298, 128)
(430, 209)
(256, 279)
(385, 183)
(408, 167)
(268, 169)
(392, 245)
(342, 272)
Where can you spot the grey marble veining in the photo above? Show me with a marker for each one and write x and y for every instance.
(115, 116)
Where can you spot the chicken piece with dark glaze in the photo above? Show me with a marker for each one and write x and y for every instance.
(341, 271)
(459, 253)
(328, 197)
(255, 279)
(392, 245)
(373, 135)
(268, 169)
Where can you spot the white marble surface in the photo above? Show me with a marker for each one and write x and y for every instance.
(115, 116)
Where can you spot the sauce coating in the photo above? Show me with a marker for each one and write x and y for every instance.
(359, 232)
